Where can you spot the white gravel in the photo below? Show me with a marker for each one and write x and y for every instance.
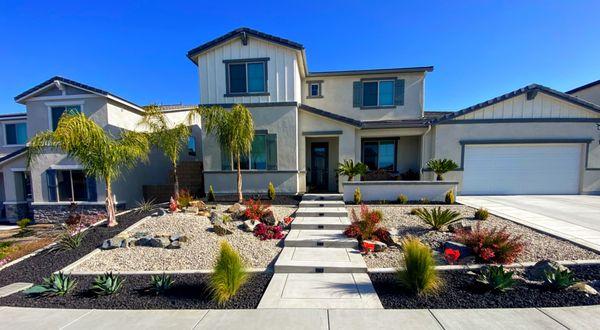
(400, 222)
(199, 253)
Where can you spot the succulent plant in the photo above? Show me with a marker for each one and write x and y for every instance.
(161, 283)
(56, 285)
(558, 279)
(495, 278)
(107, 284)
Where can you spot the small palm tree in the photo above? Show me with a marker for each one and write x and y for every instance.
(166, 136)
(441, 166)
(100, 154)
(351, 169)
(438, 218)
(234, 130)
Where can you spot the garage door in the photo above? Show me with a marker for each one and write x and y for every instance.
(521, 169)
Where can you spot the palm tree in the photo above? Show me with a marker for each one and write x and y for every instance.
(100, 154)
(350, 169)
(441, 166)
(233, 129)
(166, 136)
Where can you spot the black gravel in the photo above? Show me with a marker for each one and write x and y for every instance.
(459, 291)
(188, 292)
(42, 265)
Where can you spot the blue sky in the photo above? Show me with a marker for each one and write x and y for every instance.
(136, 49)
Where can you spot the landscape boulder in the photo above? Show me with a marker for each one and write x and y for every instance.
(458, 226)
(270, 220)
(464, 250)
(112, 243)
(584, 288)
(537, 271)
(235, 208)
(178, 237)
(158, 213)
(220, 228)
(214, 217)
(174, 245)
(249, 225)
(191, 209)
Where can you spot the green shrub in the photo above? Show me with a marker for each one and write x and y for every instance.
(357, 196)
(229, 274)
(450, 198)
(226, 218)
(424, 201)
(69, 241)
(438, 218)
(211, 194)
(145, 206)
(441, 166)
(418, 273)
(55, 285)
(558, 280)
(23, 223)
(161, 283)
(271, 191)
(402, 199)
(107, 284)
(481, 214)
(495, 278)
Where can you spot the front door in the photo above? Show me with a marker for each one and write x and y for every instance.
(319, 166)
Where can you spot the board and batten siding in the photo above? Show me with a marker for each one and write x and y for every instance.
(518, 107)
(283, 74)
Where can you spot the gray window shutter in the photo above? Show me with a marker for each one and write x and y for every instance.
(399, 92)
(51, 181)
(357, 94)
(272, 152)
(92, 193)
(225, 161)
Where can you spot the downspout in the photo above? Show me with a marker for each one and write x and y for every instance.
(422, 149)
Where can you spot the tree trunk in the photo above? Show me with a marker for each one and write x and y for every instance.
(439, 177)
(110, 205)
(175, 182)
(239, 180)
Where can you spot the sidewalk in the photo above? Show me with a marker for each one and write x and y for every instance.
(530, 318)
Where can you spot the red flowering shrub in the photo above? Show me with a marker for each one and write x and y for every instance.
(265, 232)
(451, 255)
(366, 226)
(256, 210)
(491, 245)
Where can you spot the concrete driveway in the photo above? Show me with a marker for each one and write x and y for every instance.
(573, 217)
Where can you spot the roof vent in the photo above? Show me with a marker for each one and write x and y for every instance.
(244, 37)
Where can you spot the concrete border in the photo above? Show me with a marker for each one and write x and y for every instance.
(171, 272)
(478, 266)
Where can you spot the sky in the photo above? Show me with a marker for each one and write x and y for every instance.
(137, 49)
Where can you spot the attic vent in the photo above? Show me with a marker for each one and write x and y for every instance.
(531, 94)
(244, 37)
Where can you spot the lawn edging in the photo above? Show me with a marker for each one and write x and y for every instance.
(479, 266)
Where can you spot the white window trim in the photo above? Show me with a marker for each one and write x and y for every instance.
(66, 167)
(6, 137)
(379, 105)
(18, 169)
(50, 105)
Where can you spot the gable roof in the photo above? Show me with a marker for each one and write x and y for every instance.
(533, 88)
(242, 32)
(330, 115)
(13, 154)
(75, 84)
(586, 86)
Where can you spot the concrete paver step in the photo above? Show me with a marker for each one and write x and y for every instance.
(319, 260)
(321, 212)
(322, 204)
(322, 197)
(7, 290)
(319, 238)
(321, 223)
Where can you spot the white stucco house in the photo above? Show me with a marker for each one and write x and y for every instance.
(533, 140)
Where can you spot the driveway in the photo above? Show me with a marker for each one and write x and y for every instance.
(573, 217)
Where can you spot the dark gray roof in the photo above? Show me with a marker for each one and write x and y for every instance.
(240, 32)
(13, 115)
(586, 86)
(526, 89)
(13, 154)
(330, 115)
(174, 107)
(371, 71)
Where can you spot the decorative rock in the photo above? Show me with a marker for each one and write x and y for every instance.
(178, 237)
(536, 272)
(583, 287)
(235, 208)
(112, 243)
(140, 234)
(153, 241)
(220, 228)
(204, 213)
(158, 213)
(270, 220)
(174, 245)
(249, 225)
(199, 204)
(464, 250)
(455, 227)
(191, 209)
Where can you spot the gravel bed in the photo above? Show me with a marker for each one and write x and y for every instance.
(199, 253)
(42, 265)
(188, 292)
(400, 222)
(458, 291)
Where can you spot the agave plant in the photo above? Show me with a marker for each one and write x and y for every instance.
(351, 169)
(495, 278)
(55, 285)
(437, 218)
(145, 206)
(558, 279)
(69, 240)
(161, 283)
(441, 166)
(107, 284)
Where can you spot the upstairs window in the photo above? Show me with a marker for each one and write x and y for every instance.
(246, 77)
(314, 89)
(16, 133)
(56, 112)
(378, 93)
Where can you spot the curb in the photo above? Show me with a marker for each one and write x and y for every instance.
(478, 266)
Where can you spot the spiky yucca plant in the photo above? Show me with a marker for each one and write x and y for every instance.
(438, 218)
(229, 274)
(107, 284)
(351, 169)
(418, 273)
(441, 166)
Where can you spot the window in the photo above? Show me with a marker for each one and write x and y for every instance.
(16, 133)
(246, 77)
(379, 154)
(192, 146)
(314, 89)
(56, 112)
(263, 155)
(378, 93)
(71, 186)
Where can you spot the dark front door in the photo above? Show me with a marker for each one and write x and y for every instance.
(319, 166)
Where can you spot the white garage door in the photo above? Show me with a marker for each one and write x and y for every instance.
(521, 169)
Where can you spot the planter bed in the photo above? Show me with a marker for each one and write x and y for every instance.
(400, 222)
(199, 253)
(188, 292)
(33, 269)
(458, 292)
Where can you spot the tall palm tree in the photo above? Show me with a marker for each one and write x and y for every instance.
(100, 154)
(233, 129)
(166, 136)
(441, 166)
(351, 169)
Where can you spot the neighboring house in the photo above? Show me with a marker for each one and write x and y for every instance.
(589, 92)
(54, 180)
(534, 140)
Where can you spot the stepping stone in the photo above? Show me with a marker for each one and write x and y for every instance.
(320, 260)
(322, 204)
(321, 212)
(319, 238)
(321, 223)
(7, 290)
(320, 291)
(322, 197)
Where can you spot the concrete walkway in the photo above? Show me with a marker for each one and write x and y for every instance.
(528, 318)
(319, 267)
(575, 217)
